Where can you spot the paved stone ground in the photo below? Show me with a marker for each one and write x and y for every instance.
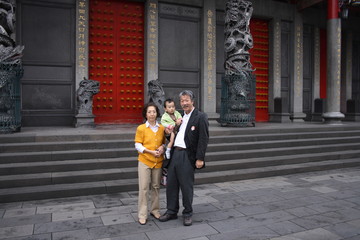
(311, 206)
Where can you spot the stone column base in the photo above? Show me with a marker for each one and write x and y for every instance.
(298, 117)
(354, 117)
(84, 120)
(333, 117)
(279, 117)
(317, 117)
(213, 118)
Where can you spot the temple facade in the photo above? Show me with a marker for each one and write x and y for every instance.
(305, 56)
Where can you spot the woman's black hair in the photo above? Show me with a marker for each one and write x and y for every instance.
(150, 104)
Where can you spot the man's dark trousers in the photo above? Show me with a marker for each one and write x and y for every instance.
(180, 176)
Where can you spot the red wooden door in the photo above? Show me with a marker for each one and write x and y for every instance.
(116, 59)
(260, 61)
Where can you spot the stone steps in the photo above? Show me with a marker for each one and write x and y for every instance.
(112, 186)
(49, 166)
(105, 174)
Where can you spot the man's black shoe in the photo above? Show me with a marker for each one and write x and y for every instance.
(166, 217)
(187, 221)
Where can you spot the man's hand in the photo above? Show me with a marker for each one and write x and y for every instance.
(199, 163)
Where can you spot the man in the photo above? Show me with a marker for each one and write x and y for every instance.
(188, 153)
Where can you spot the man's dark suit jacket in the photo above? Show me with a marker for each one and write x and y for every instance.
(196, 138)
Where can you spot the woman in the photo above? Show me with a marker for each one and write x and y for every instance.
(149, 142)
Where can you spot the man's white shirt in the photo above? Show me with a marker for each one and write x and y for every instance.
(179, 140)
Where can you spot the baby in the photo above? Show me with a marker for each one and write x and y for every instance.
(171, 120)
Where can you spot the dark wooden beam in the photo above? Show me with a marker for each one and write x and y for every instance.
(302, 4)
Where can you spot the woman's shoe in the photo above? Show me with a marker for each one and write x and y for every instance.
(142, 221)
(155, 215)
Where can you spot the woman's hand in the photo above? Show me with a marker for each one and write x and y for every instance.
(156, 153)
(161, 150)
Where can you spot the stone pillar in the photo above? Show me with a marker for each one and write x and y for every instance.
(82, 43)
(333, 85)
(208, 80)
(317, 106)
(297, 95)
(82, 58)
(152, 42)
(347, 72)
(348, 105)
(275, 109)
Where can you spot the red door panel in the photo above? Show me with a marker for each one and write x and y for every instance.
(116, 59)
(259, 58)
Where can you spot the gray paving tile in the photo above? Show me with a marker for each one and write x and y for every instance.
(302, 211)
(112, 200)
(10, 205)
(225, 196)
(129, 201)
(26, 220)
(255, 233)
(179, 233)
(67, 225)
(345, 194)
(118, 230)
(63, 216)
(55, 201)
(199, 238)
(318, 234)
(96, 212)
(200, 208)
(355, 223)
(291, 192)
(226, 204)
(46, 236)
(331, 205)
(258, 192)
(314, 221)
(138, 236)
(345, 230)
(355, 200)
(323, 189)
(313, 199)
(212, 191)
(117, 219)
(261, 198)
(204, 199)
(285, 228)
(65, 207)
(342, 215)
(251, 221)
(19, 212)
(216, 216)
(252, 210)
(17, 231)
(73, 235)
(357, 237)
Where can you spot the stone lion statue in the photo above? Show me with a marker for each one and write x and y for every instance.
(87, 89)
(157, 94)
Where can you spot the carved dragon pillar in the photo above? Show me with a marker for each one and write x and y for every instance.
(10, 70)
(238, 84)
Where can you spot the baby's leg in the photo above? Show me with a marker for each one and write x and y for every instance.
(170, 144)
(172, 140)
